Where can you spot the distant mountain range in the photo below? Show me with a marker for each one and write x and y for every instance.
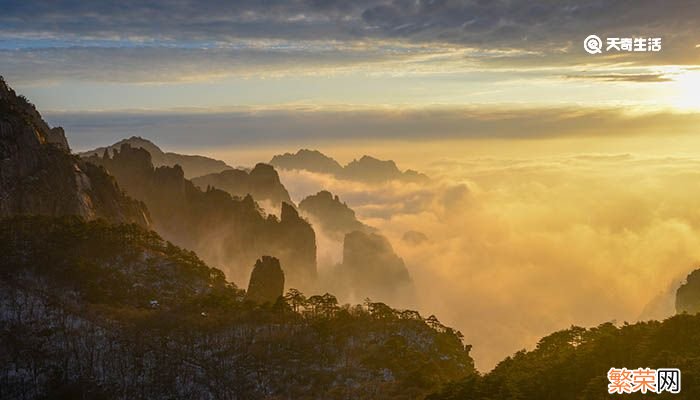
(366, 169)
(192, 165)
(262, 182)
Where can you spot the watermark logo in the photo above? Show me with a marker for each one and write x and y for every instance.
(593, 44)
(644, 380)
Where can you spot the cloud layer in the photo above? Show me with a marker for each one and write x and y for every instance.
(518, 248)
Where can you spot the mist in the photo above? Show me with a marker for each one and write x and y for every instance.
(518, 248)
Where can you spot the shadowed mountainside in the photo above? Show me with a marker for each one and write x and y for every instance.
(38, 175)
(93, 310)
(262, 182)
(192, 165)
(224, 231)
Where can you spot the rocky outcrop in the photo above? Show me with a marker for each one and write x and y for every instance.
(262, 182)
(39, 176)
(266, 283)
(225, 231)
(192, 165)
(688, 294)
(366, 169)
(334, 217)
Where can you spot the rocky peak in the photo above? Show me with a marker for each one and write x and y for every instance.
(39, 176)
(262, 182)
(266, 281)
(333, 216)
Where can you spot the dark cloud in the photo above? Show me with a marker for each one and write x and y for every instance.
(545, 28)
(306, 127)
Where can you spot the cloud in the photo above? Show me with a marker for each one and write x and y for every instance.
(501, 33)
(310, 126)
(519, 248)
(640, 78)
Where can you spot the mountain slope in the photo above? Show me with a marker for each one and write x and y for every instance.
(192, 165)
(225, 231)
(92, 310)
(38, 175)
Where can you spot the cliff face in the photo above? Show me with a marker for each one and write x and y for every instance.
(192, 165)
(224, 231)
(262, 182)
(38, 175)
(266, 281)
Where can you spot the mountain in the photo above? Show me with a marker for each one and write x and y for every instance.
(688, 294)
(38, 175)
(310, 160)
(192, 165)
(333, 216)
(223, 230)
(573, 364)
(369, 269)
(262, 182)
(366, 169)
(102, 311)
(370, 169)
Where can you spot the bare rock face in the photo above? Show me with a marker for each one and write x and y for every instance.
(266, 281)
(262, 182)
(39, 176)
(688, 294)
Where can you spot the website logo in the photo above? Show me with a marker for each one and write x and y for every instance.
(644, 380)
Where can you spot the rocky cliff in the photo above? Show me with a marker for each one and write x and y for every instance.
(224, 231)
(38, 175)
(266, 283)
(262, 182)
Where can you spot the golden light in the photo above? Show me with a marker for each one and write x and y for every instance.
(686, 90)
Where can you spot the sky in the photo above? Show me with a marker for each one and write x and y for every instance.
(562, 182)
(258, 63)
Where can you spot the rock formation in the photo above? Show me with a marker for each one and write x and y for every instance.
(38, 175)
(226, 231)
(192, 165)
(262, 182)
(334, 217)
(266, 281)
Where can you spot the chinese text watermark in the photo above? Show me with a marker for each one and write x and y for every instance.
(623, 380)
(593, 44)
